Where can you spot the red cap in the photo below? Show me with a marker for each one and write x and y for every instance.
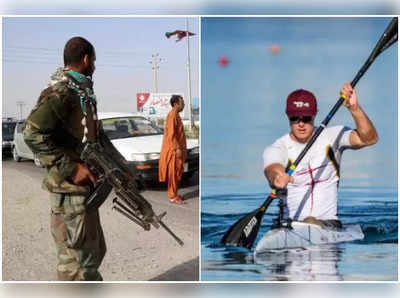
(301, 103)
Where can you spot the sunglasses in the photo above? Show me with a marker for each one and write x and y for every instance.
(304, 119)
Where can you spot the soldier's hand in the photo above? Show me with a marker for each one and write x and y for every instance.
(82, 175)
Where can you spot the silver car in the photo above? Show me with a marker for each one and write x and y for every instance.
(20, 149)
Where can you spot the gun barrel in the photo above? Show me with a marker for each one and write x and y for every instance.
(171, 233)
(115, 201)
(131, 218)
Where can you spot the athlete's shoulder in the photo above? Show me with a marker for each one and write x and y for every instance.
(277, 152)
(337, 129)
(338, 136)
(285, 139)
(281, 142)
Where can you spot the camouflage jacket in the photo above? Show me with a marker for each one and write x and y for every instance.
(54, 131)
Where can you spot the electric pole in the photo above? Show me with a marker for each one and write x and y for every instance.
(154, 62)
(188, 76)
(20, 104)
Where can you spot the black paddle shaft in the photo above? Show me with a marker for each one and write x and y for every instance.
(244, 231)
(388, 37)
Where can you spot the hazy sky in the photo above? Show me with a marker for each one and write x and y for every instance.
(243, 103)
(33, 47)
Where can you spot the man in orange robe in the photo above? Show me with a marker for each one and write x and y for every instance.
(173, 151)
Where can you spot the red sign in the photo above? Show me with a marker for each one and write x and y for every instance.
(141, 99)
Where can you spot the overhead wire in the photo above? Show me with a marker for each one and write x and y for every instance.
(37, 55)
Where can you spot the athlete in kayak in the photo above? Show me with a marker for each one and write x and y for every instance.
(312, 188)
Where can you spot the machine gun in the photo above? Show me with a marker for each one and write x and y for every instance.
(110, 169)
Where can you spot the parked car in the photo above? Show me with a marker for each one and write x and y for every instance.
(139, 140)
(20, 149)
(8, 126)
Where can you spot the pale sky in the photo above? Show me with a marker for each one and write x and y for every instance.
(33, 48)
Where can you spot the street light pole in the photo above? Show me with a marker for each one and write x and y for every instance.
(189, 90)
(155, 68)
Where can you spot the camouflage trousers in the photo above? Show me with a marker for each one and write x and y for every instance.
(78, 236)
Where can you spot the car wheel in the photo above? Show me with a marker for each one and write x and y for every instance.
(15, 155)
(37, 162)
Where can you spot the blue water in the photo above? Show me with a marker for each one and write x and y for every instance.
(373, 258)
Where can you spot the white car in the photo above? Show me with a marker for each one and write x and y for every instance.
(8, 127)
(20, 149)
(140, 141)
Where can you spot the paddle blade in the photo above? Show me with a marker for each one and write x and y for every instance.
(244, 231)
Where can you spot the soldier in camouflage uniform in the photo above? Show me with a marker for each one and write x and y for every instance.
(63, 119)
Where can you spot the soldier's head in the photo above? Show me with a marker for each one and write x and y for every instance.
(301, 108)
(177, 102)
(80, 56)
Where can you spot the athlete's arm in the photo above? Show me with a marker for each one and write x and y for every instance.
(365, 133)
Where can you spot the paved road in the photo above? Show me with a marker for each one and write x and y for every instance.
(132, 253)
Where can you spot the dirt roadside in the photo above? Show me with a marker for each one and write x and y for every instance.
(132, 253)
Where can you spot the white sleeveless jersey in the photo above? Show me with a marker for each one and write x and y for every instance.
(316, 178)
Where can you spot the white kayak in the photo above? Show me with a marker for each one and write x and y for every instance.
(305, 234)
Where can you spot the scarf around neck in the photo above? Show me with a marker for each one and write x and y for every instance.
(82, 84)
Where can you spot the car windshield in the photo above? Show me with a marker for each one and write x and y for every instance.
(8, 130)
(127, 127)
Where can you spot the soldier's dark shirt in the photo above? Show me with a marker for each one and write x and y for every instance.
(54, 132)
